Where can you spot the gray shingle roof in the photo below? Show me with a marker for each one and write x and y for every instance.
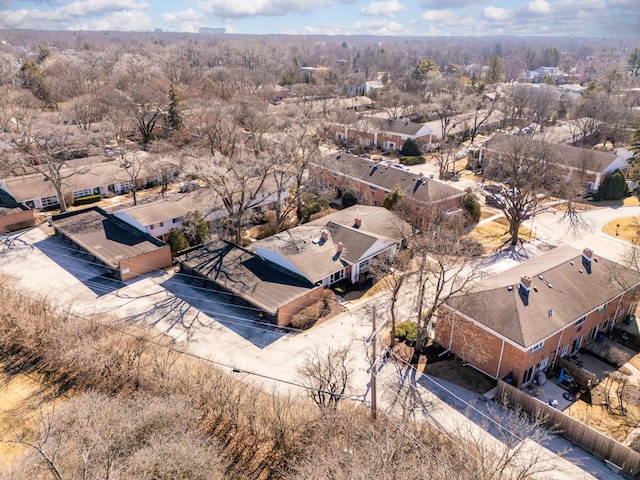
(573, 157)
(387, 177)
(567, 291)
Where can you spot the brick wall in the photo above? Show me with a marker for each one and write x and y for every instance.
(483, 349)
(157, 259)
(286, 312)
(16, 221)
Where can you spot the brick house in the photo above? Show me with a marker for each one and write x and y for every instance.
(519, 322)
(388, 134)
(13, 215)
(590, 166)
(373, 180)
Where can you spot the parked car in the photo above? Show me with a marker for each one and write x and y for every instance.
(492, 187)
(189, 187)
(494, 201)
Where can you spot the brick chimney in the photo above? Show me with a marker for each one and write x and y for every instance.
(324, 235)
(525, 283)
(587, 254)
(340, 246)
(357, 223)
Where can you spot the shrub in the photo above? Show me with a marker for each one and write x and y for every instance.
(349, 198)
(407, 332)
(613, 187)
(471, 206)
(87, 200)
(412, 160)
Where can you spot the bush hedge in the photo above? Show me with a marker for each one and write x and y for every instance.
(417, 160)
(407, 332)
(87, 199)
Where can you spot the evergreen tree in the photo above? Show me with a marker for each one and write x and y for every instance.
(471, 205)
(349, 199)
(195, 228)
(613, 187)
(177, 241)
(410, 148)
(495, 72)
(392, 198)
(175, 115)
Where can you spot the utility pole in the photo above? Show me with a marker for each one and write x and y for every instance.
(374, 356)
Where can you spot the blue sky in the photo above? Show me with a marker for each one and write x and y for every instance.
(604, 18)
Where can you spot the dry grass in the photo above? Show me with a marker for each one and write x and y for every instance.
(23, 394)
(495, 234)
(454, 372)
(597, 416)
(628, 229)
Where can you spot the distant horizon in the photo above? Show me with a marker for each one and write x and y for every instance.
(397, 18)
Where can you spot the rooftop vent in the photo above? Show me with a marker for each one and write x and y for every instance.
(324, 235)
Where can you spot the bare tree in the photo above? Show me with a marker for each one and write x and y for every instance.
(529, 168)
(326, 376)
(444, 267)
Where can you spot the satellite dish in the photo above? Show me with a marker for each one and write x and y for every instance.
(541, 378)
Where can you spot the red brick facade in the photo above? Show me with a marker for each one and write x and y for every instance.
(498, 357)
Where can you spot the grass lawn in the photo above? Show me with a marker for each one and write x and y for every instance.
(495, 234)
(628, 229)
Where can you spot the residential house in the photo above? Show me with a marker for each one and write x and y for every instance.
(519, 322)
(387, 134)
(541, 73)
(84, 177)
(373, 180)
(335, 247)
(592, 166)
(124, 251)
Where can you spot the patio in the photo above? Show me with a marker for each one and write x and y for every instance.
(551, 393)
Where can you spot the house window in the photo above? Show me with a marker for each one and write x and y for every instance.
(565, 350)
(161, 224)
(83, 193)
(49, 201)
(337, 276)
(537, 347)
(605, 324)
(364, 265)
(601, 308)
(581, 321)
(372, 188)
(176, 220)
(544, 362)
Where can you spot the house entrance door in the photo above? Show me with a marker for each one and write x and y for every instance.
(528, 375)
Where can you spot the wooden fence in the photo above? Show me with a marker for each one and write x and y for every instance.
(600, 445)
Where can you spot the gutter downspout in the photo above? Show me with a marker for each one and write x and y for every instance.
(500, 361)
(555, 356)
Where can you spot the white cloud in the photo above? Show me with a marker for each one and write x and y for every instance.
(495, 13)
(106, 12)
(125, 21)
(384, 9)
(450, 3)
(539, 7)
(250, 8)
(379, 27)
(185, 21)
(443, 16)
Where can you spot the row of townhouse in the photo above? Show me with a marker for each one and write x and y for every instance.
(372, 180)
(518, 323)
